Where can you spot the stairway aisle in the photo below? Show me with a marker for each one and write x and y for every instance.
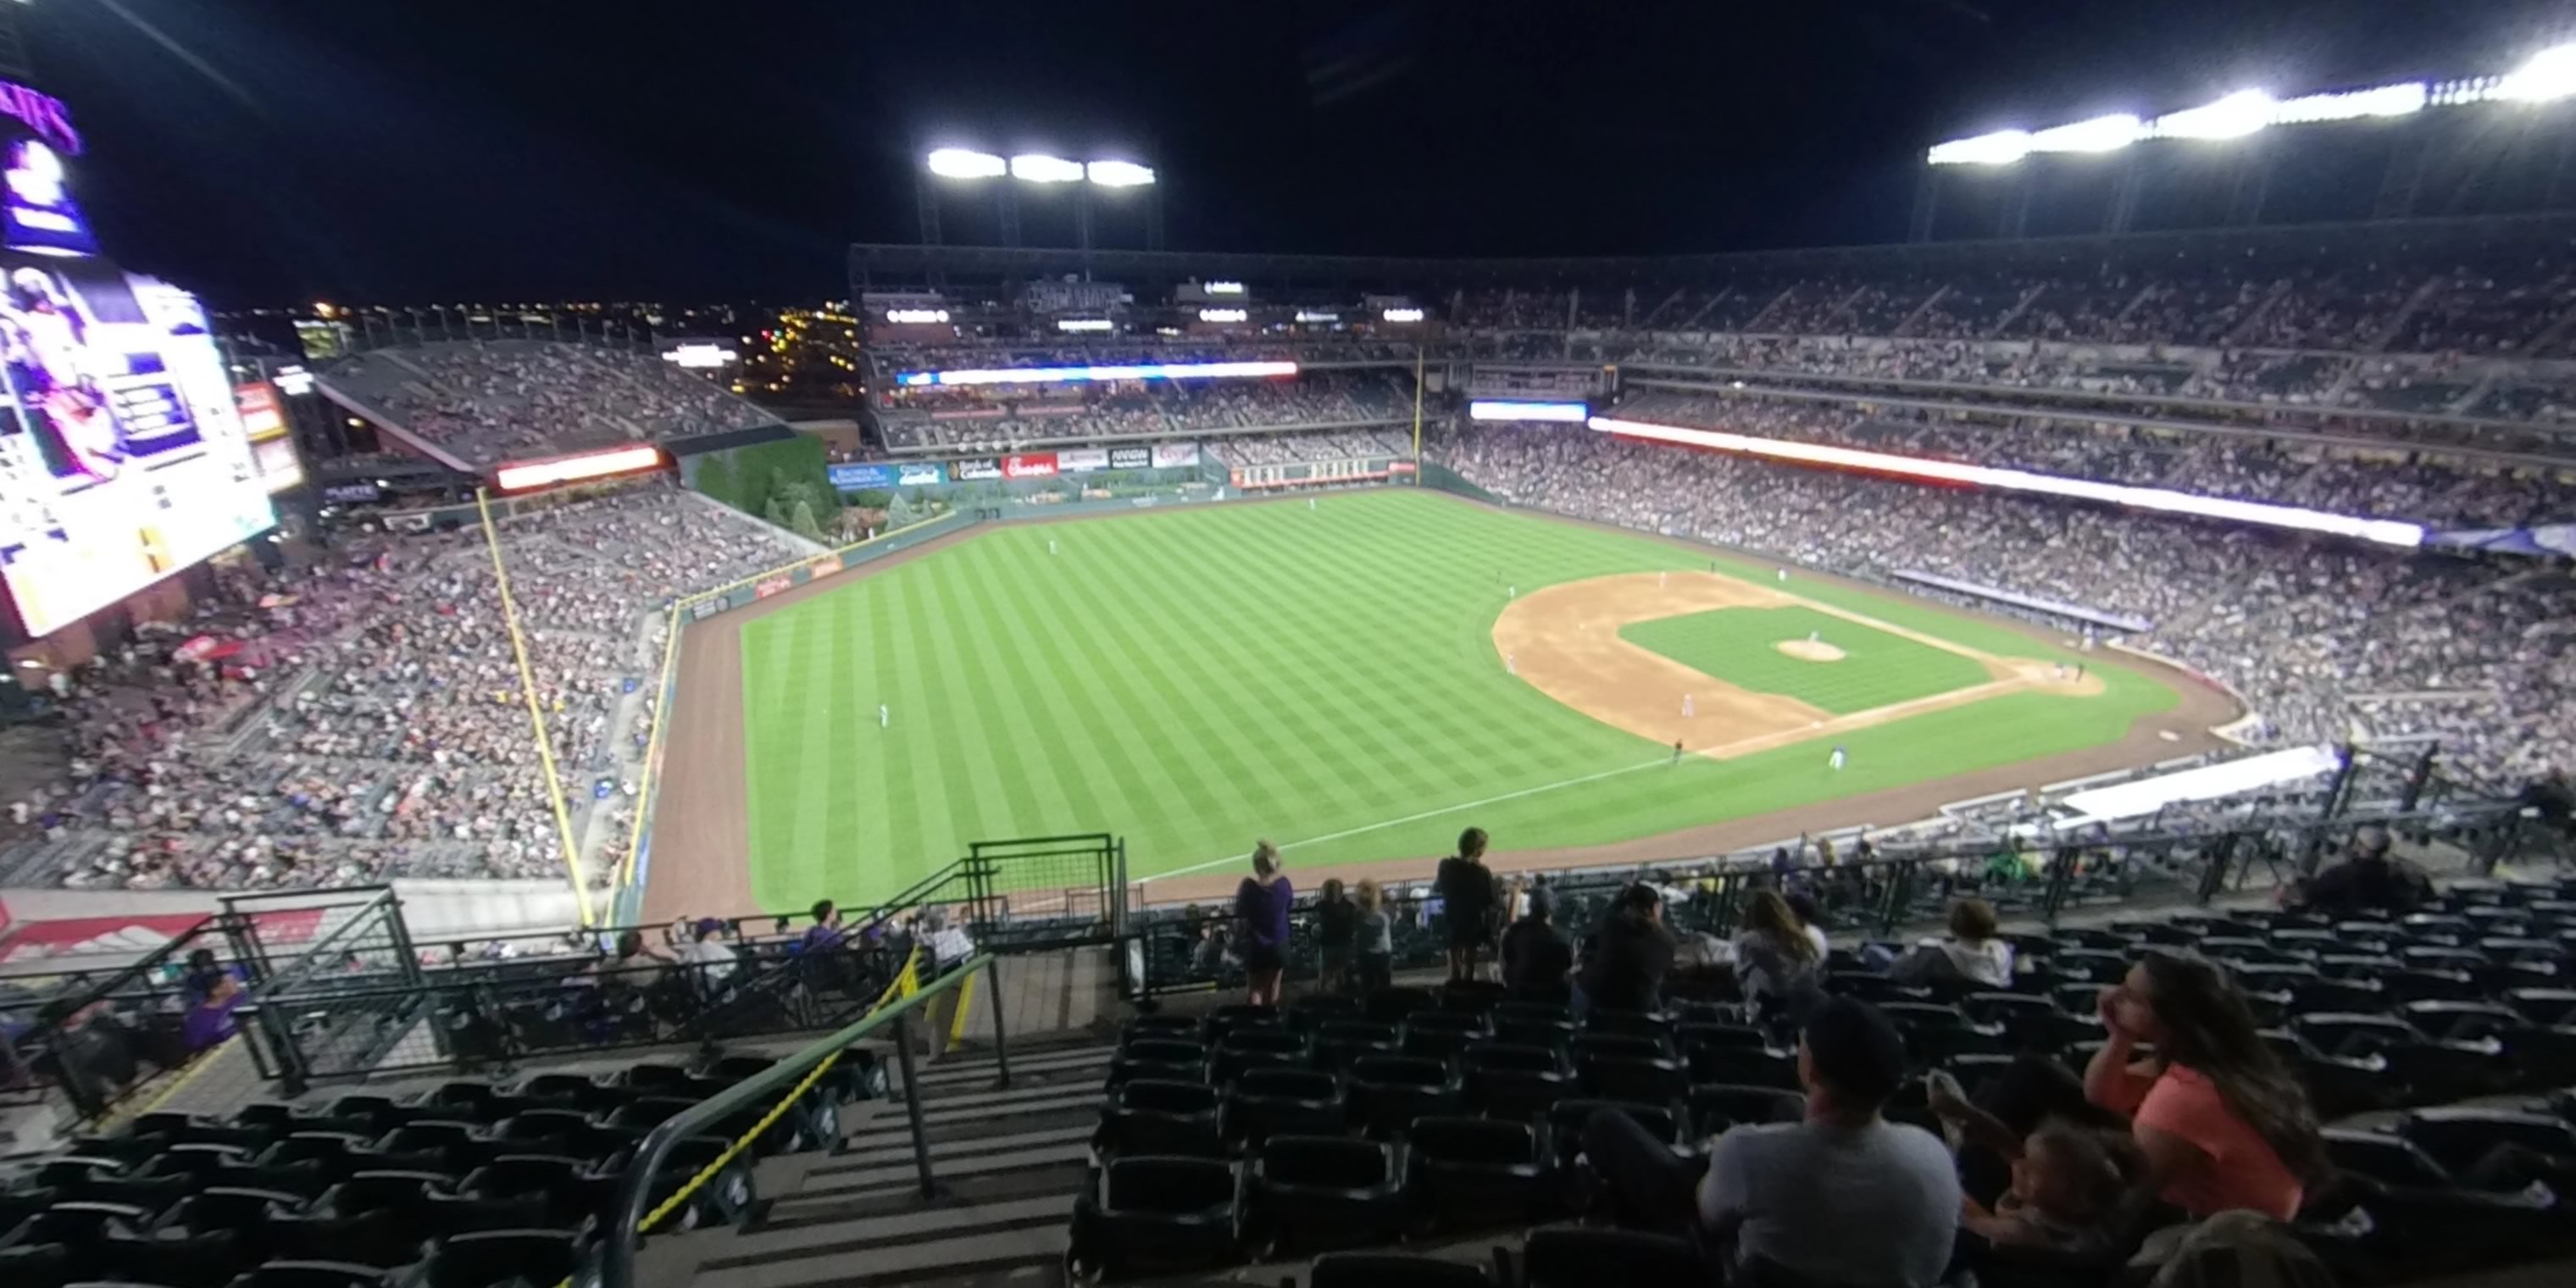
(1007, 1164)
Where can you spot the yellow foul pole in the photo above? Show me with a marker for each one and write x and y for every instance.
(536, 712)
(1417, 411)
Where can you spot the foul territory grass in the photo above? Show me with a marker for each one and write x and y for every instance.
(1197, 678)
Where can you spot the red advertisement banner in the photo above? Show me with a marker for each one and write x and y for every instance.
(1030, 465)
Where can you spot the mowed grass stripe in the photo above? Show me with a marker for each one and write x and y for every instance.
(1741, 647)
(1192, 678)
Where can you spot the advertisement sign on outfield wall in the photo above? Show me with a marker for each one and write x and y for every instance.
(772, 585)
(921, 475)
(822, 567)
(1169, 456)
(1029, 465)
(860, 478)
(1081, 460)
(979, 469)
(1129, 458)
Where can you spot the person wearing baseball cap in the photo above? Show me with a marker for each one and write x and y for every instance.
(711, 960)
(1841, 1196)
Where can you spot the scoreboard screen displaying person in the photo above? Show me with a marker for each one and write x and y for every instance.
(122, 456)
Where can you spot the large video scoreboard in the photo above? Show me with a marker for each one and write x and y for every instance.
(123, 457)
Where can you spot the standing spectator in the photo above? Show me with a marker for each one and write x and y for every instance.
(2221, 1123)
(1811, 917)
(1536, 958)
(1336, 928)
(210, 1016)
(1775, 961)
(1792, 1195)
(1972, 953)
(1261, 913)
(1466, 889)
(1376, 938)
(826, 930)
(1630, 955)
(948, 946)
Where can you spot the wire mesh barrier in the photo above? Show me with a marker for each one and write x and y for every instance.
(1050, 890)
(1869, 898)
(101, 1037)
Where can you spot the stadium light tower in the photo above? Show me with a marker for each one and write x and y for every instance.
(1043, 169)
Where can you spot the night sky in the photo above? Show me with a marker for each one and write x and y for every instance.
(276, 151)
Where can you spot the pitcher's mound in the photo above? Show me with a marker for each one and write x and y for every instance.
(1810, 650)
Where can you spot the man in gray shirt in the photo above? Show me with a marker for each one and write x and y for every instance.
(1843, 1197)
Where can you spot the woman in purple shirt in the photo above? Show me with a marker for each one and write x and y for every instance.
(1261, 916)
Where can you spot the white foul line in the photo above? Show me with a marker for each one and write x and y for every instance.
(1416, 818)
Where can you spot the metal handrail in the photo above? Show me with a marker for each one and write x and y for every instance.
(635, 1192)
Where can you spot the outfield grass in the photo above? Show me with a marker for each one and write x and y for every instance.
(1195, 678)
(1737, 645)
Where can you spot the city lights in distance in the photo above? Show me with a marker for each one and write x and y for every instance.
(1120, 174)
(2385, 531)
(1038, 167)
(1079, 375)
(1225, 288)
(964, 163)
(1572, 413)
(1224, 315)
(1400, 315)
(1079, 326)
(916, 317)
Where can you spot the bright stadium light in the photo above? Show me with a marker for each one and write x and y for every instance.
(1400, 315)
(2003, 147)
(963, 163)
(1120, 174)
(2101, 134)
(1038, 167)
(1080, 325)
(2354, 104)
(1224, 315)
(2548, 76)
(1225, 288)
(1510, 409)
(2232, 117)
(2386, 531)
(916, 317)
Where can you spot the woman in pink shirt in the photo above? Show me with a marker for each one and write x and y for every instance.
(2222, 1123)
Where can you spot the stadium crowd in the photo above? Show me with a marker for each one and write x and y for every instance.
(998, 417)
(2208, 465)
(490, 401)
(359, 717)
(2316, 635)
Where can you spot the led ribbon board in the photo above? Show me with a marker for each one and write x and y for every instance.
(1078, 375)
(2385, 531)
(1572, 413)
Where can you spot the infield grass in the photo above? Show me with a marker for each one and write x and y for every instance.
(1192, 679)
(1739, 645)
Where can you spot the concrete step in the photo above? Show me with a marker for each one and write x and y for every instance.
(1006, 1154)
(1064, 1179)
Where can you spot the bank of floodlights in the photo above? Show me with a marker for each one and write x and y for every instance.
(2548, 76)
(1036, 167)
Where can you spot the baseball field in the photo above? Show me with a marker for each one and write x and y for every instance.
(1355, 679)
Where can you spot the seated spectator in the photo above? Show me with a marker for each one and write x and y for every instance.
(2372, 880)
(1775, 961)
(1969, 954)
(1792, 1195)
(210, 1016)
(1336, 927)
(2068, 1181)
(709, 956)
(826, 930)
(1629, 956)
(1536, 959)
(1810, 914)
(622, 968)
(2221, 1123)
